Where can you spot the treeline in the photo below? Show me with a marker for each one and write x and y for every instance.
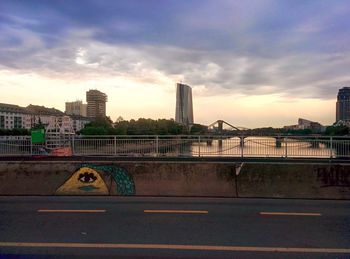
(269, 131)
(337, 130)
(330, 131)
(140, 127)
(105, 126)
(14, 132)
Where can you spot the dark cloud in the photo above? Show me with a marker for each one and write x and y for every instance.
(294, 48)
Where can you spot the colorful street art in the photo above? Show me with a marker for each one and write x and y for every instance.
(83, 181)
(88, 181)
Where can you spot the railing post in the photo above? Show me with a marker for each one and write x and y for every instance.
(331, 147)
(286, 147)
(241, 143)
(31, 147)
(157, 146)
(199, 146)
(115, 145)
(73, 145)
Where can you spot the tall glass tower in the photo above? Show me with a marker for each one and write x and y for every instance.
(343, 104)
(184, 107)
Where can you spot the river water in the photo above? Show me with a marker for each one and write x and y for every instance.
(257, 147)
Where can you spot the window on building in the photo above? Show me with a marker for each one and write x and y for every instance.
(2, 122)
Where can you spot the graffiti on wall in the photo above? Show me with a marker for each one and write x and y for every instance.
(124, 182)
(334, 176)
(85, 180)
(88, 180)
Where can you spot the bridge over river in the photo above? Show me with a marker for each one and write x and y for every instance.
(185, 146)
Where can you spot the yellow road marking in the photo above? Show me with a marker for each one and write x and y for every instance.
(291, 214)
(177, 211)
(180, 247)
(73, 211)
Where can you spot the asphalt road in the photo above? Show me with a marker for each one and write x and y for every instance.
(136, 227)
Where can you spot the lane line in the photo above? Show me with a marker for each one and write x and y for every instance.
(71, 211)
(180, 247)
(291, 214)
(178, 211)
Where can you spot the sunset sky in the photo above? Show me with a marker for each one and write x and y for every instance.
(253, 63)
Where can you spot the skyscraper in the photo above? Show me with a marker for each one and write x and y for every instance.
(184, 107)
(343, 105)
(96, 104)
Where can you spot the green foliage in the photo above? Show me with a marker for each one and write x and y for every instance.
(300, 132)
(266, 131)
(149, 127)
(100, 126)
(105, 122)
(92, 130)
(337, 130)
(135, 127)
(197, 129)
(14, 132)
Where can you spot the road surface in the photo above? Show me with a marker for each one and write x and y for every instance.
(139, 227)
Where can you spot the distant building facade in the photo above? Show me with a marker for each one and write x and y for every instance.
(43, 115)
(16, 117)
(343, 105)
(76, 108)
(184, 106)
(96, 104)
(315, 127)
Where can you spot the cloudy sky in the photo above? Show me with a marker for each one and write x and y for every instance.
(252, 63)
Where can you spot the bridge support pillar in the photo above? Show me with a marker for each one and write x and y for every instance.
(220, 126)
(241, 141)
(278, 142)
(220, 143)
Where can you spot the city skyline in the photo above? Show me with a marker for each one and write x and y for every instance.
(253, 64)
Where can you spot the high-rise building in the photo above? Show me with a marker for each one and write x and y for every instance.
(96, 104)
(184, 107)
(343, 105)
(76, 108)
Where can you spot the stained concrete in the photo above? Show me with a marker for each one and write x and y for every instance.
(196, 179)
(294, 181)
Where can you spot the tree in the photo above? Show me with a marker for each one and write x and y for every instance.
(119, 119)
(14, 132)
(141, 126)
(198, 129)
(337, 130)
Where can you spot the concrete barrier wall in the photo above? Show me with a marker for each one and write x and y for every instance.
(294, 181)
(151, 179)
(176, 179)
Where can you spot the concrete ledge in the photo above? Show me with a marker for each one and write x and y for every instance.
(195, 179)
(294, 181)
(123, 178)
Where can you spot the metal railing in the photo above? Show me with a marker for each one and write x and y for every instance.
(191, 146)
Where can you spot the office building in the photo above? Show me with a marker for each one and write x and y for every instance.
(343, 105)
(96, 104)
(76, 108)
(184, 107)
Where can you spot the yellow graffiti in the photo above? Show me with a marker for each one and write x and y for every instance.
(82, 182)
